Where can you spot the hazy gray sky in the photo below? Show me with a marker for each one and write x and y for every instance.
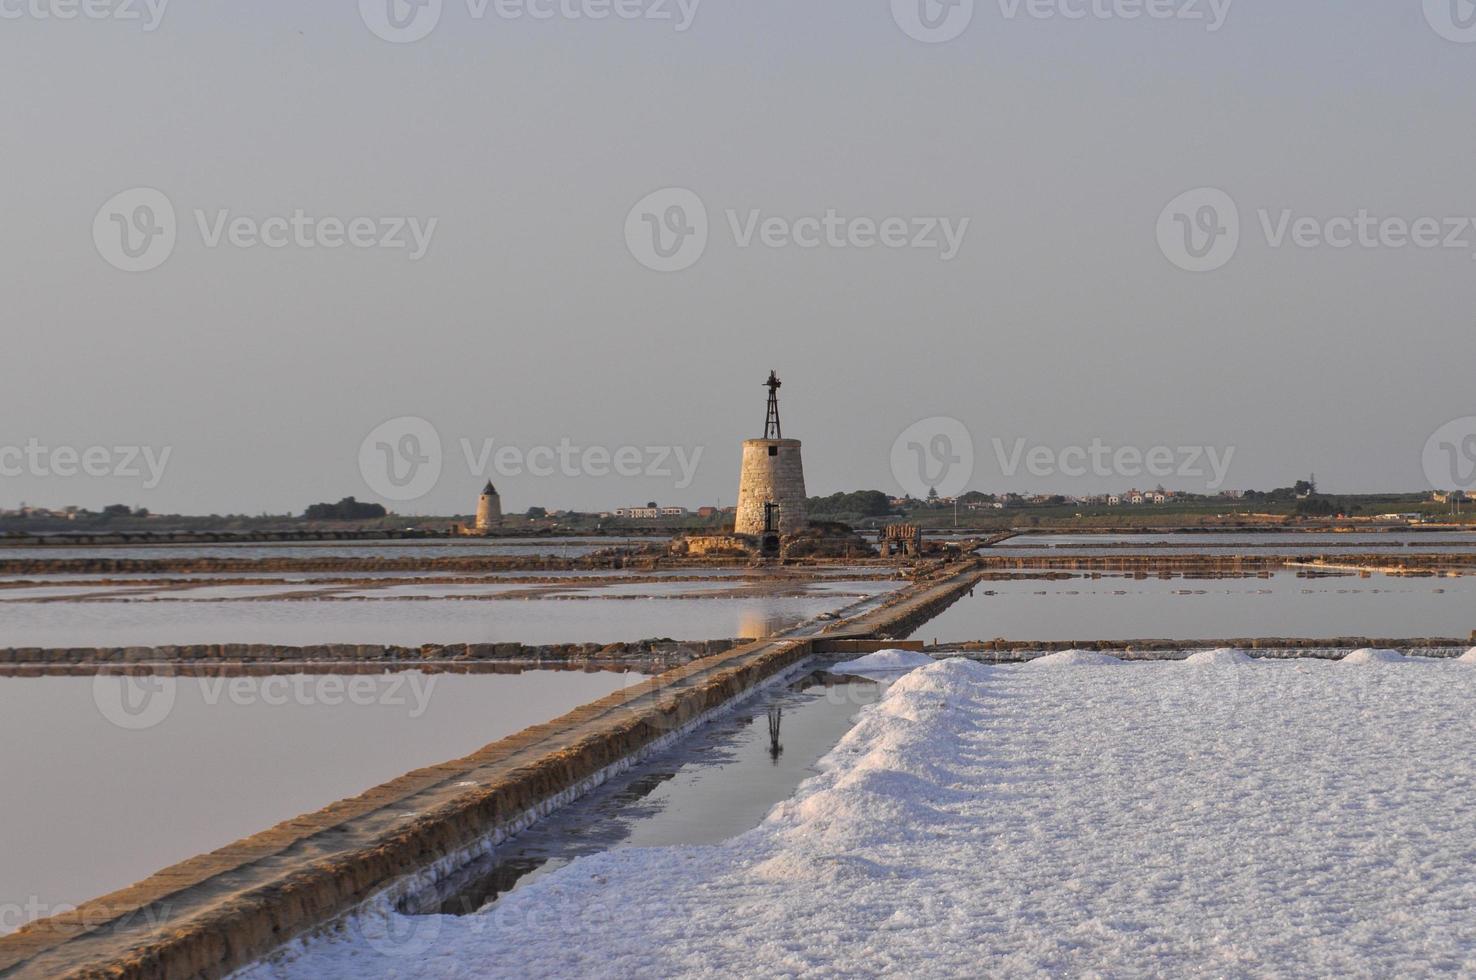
(529, 320)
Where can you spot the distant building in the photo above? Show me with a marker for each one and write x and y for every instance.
(489, 508)
(639, 513)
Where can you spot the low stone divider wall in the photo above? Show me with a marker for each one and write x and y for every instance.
(906, 612)
(260, 653)
(615, 559)
(1325, 648)
(1422, 564)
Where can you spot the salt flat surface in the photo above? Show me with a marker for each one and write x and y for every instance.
(1291, 818)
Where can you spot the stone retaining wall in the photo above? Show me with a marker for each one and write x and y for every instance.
(1157, 564)
(1258, 653)
(258, 653)
(909, 610)
(1016, 650)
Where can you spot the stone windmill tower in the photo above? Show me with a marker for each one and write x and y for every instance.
(489, 508)
(771, 490)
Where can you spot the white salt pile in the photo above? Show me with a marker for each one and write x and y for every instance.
(884, 662)
(960, 830)
(1367, 656)
(1469, 657)
(1223, 657)
(1074, 658)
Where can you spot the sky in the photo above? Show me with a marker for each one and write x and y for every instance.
(1107, 239)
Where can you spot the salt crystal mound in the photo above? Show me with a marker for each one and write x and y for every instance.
(1224, 657)
(1368, 656)
(1469, 657)
(1073, 658)
(1005, 849)
(884, 662)
(895, 768)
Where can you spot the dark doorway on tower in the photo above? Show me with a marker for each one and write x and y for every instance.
(769, 545)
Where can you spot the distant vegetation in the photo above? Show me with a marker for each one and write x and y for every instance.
(347, 509)
(1301, 490)
(858, 504)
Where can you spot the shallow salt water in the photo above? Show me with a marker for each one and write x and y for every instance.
(409, 623)
(92, 802)
(1125, 608)
(715, 784)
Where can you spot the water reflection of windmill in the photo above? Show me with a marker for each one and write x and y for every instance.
(776, 715)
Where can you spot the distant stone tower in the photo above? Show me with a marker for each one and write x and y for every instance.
(771, 490)
(489, 508)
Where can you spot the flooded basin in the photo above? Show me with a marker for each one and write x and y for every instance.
(1117, 607)
(110, 779)
(536, 620)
